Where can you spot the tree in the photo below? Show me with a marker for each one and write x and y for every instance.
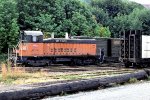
(144, 17)
(8, 25)
(101, 16)
(114, 13)
(104, 32)
(45, 22)
(137, 20)
(55, 16)
(115, 7)
(127, 22)
(81, 26)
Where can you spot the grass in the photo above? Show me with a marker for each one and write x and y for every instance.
(88, 75)
(17, 75)
(8, 75)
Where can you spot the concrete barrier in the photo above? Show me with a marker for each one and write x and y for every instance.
(69, 87)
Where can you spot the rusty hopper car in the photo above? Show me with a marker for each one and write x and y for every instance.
(36, 51)
(135, 49)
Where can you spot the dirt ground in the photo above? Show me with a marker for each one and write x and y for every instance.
(58, 73)
(76, 70)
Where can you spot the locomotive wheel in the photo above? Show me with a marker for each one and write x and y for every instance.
(80, 62)
(144, 65)
(71, 63)
(35, 63)
(49, 63)
(27, 65)
(127, 65)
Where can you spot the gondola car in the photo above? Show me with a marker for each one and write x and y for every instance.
(36, 51)
(135, 49)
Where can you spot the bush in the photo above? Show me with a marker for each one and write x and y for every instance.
(3, 58)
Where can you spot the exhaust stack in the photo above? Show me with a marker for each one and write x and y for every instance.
(66, 36)
(53, 35)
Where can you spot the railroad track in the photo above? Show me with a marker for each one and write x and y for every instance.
(62, 73)
(61, 68)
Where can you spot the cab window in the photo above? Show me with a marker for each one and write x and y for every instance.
(34, 39)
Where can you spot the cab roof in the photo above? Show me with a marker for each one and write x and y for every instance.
(33, 33)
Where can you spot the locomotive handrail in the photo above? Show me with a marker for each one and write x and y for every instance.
(14, 53)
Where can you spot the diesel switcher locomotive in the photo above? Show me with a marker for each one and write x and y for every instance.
(33, 50)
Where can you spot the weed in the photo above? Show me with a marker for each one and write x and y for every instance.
(63, 93)
(149, 78)
(133, 80)
(4, 71)
(10, 74)
(18, 75)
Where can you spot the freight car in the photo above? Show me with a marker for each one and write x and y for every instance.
(135, 49)
(36, 51)
(111, 47)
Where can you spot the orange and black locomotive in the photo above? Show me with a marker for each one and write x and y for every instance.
(36, 51)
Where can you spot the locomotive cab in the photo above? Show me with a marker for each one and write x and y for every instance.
(30, 46)
(32, 37)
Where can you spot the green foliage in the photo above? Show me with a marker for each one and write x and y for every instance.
(58, 16)
(125, 22)
(112, 7)
(104, 32)
(8, 24)
(133, 80)
(101, 16)
(104, 18)
(45, 22)
(115, 7)
(3, 58)
(144, 17)
(117, 14)
(148, 78)
(137, 20)
(82, 26)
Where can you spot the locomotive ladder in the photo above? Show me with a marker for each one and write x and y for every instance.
(13, 54)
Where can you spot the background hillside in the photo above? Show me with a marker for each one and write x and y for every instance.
(97, 18)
